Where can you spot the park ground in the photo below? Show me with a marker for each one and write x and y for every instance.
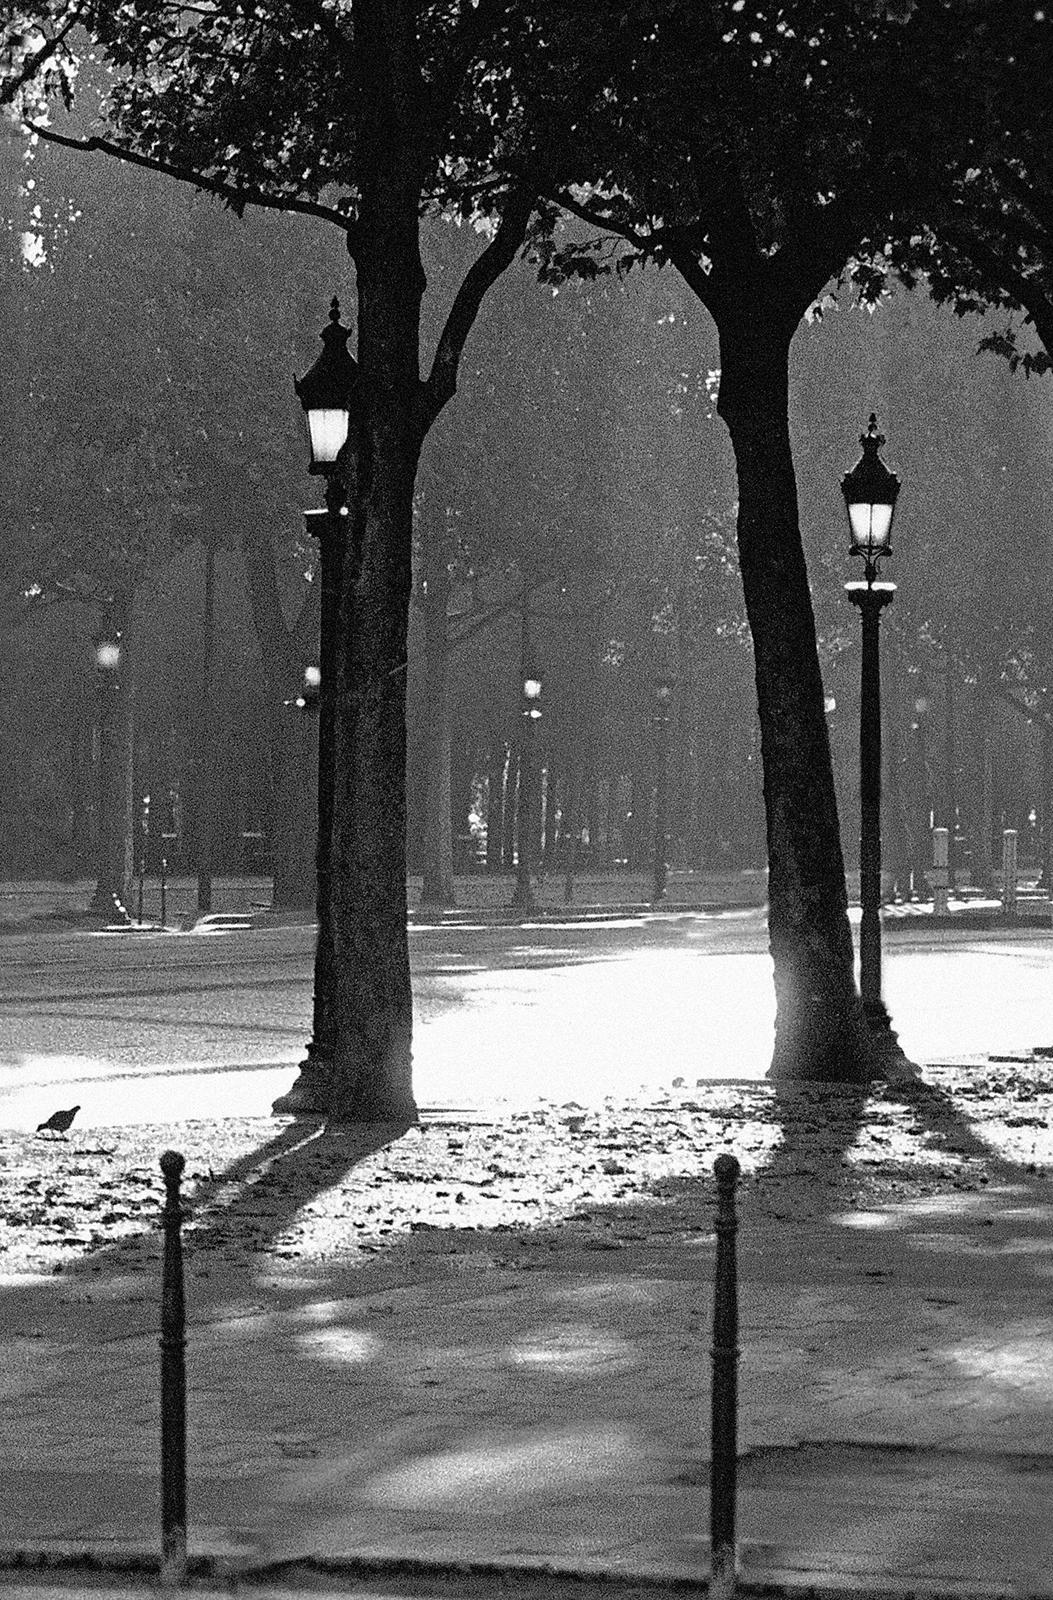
(486, 1339)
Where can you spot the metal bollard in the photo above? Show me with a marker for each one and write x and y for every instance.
(1009, 871)
(723, 1444)
(173, 1381)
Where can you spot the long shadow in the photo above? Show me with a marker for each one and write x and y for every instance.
(235, 1211)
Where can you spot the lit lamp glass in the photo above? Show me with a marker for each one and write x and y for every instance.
(107, 655)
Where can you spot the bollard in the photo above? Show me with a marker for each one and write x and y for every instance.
(940, 876)
(723, 1443)
(173, 1382)
(1009, 871)
(164, 885)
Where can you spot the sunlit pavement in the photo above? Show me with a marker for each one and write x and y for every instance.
(163, 1027)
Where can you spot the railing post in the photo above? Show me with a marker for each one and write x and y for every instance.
(723, 1441)
(1009, 871)
(173, 1381)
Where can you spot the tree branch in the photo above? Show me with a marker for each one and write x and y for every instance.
(441, 383)
(237, 199)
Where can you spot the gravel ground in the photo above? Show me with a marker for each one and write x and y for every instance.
(296, 1194)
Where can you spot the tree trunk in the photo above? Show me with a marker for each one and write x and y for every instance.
(205, 797)
(371, 994)
(495, 804)
(983, 866)
(437, 890)
(511, 806)
(820, 1031)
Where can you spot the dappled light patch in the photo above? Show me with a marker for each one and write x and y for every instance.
(483, 1475)
(341, 1346)
(1020, 1358)
(572, 1349)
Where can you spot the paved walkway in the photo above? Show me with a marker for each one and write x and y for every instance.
(540, 1394)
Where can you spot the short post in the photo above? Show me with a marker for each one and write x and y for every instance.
(173, 1381)
(164, 886)
(940, 873)
(1009, 871)
(723, 1443)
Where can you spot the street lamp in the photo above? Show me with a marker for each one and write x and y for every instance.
(662, 716)
(112, 882)
(529, 717)
(870, 492)
(310, 695)
(327, 393)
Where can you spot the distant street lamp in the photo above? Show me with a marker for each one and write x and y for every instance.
(663, 707)
(326, 392)
(112, 881)
(530, 716)
(870, 492)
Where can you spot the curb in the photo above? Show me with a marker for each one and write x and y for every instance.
(468, 1579)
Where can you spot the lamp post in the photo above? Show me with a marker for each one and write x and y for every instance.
(326, 392)
(111, 884)
(530, 716)
(663, 706)
(870, 492)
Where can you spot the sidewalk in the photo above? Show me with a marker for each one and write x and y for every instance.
(246, 901)
(488, 1340)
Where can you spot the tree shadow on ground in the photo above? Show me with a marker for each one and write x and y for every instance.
(232, 1214)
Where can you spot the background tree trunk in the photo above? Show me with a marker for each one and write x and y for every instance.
(437, 890)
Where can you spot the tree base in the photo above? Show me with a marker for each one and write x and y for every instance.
(312, 1091)
(831, 1044)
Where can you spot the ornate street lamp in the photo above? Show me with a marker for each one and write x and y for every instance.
(662, 716)
(870, 492)
(529, 718)
(327, 393)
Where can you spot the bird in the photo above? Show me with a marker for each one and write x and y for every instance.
(59, 1121)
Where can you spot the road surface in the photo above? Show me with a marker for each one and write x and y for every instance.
(150, 1027)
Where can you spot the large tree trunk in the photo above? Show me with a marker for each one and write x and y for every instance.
(370, 981)
(820, 1030)
(437, 890)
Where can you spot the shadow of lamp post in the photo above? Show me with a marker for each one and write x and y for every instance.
(870, 492)
(326, 393)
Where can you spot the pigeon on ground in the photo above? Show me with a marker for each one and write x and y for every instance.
(59, 1121)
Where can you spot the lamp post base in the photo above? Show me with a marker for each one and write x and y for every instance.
(884, 1042)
